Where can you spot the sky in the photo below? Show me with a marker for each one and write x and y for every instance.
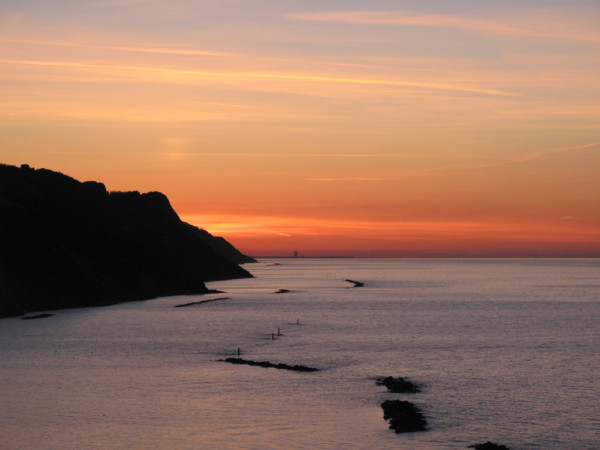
(331, 128)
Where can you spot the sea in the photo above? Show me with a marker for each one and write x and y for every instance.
(505, 350)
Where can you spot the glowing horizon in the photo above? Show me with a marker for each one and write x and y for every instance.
(430, 129)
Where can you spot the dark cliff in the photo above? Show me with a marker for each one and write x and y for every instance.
(222, 246)
(68, 244)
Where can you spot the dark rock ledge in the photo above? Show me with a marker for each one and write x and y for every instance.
(38, 316)
(404, 417)
(398, 385)
(268, 364)
(355, 283)
(200, 302)
(489, 446)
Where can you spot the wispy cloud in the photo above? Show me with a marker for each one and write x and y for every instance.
(81, 111)
(473, 166)
(348, 179)
(176, 51)
(534, 155)
(165, 74)
(303, 155)
(134, 49)
(400, 230)
(477, 25)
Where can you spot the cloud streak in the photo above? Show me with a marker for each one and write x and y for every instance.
(446, 169)
(201, 75)
(480, 26)
(299, 155)
(133, 49)
(534, 155)
(172, 51)
(401, 230)
(349, 179)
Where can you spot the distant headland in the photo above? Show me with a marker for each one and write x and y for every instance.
(66, 244)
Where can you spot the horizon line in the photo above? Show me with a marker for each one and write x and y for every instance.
(425, 257)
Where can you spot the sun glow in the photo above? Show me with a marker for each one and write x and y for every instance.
(467, 130)
(407, 238)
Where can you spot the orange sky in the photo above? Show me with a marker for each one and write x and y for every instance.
(423, 128)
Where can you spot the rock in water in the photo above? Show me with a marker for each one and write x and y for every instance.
(399, 385)
(183, 305)
(489, 446)
(268, 364)
(38, 316)
(404, 417)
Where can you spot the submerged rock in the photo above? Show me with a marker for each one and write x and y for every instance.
(268, 364)
(399, 385)
(200, 302)
(38, 316)
(489, 446)
(404, 417)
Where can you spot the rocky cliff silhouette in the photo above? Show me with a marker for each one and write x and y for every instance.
(222, 246)
(67, 244)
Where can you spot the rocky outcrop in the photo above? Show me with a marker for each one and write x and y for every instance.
(404, 417)
(222, 246)
(398, 385)
(268, 364)
(184, 305)
(37, 316)
(489, 446)
(67, 244)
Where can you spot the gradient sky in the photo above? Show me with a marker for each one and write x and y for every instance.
(380, 128)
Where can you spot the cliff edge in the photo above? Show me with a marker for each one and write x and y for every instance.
(66, 244)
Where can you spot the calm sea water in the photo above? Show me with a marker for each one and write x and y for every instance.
(507, 351)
